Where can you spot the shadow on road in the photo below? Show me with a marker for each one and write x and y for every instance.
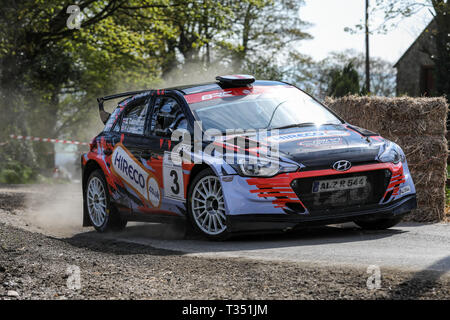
(108, 243)
(422, 282)
(177, 236)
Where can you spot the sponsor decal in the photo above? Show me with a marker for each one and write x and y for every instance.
(307, 135)
(405, 190)
(154, 195)
(135, 175)
(221, 94)
(217, 94)
(321, 142)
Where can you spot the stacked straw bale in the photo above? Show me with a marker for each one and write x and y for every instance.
(418, 125)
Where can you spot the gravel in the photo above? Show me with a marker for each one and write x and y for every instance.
(35, 265)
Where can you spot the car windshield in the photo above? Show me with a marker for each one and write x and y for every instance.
(261, 108)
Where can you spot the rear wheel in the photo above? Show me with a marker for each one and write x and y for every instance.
(379, 224)
(102, 214)
(206, 206)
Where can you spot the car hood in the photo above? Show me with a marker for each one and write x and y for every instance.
(319, 147)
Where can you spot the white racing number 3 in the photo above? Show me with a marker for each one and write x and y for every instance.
(173, 178)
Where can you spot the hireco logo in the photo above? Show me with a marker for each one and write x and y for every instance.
(141, 181)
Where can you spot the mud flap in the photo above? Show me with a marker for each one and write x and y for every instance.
(86, 220)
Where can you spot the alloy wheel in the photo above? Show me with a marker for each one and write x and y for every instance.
(208, 206)
(96, 202)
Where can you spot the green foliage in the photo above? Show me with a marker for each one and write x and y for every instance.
(50, 75)
(315, 76)
(252, 36)
(16, 173)
(447, 196)
(383, 80)
(344, 82)
(270, 32)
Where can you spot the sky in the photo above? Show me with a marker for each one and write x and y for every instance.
(330, 17)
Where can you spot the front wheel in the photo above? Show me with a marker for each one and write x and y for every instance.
(379, 224)
(206, 206)
(102, 214)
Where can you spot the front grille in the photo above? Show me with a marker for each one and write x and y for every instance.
(328, 166)
(377, 182)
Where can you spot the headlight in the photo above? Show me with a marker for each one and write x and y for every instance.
(263, 168)
(392, 153)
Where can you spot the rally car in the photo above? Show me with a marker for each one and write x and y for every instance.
(239, 155)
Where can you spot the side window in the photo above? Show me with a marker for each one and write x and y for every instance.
(133, 120)
(112, 119)
(167, 117)
(116, 128)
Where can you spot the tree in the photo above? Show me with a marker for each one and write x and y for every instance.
(252, 36)
(367, 86)
(343, 82)
(267, 34)
(382, 72)
(49, 74)
(315, 76)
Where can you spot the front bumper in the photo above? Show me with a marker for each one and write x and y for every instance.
(264, 222)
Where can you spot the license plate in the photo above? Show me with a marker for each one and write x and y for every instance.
(339, 184)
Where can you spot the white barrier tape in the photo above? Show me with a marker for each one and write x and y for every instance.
(29, 138)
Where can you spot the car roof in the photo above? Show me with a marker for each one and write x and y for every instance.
(194, 88)
(210, 86)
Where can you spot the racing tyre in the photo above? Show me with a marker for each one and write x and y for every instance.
(103, 216)
(206, 206)
(379, 224)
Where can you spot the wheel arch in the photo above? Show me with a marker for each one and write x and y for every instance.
(89, 167)
(196, 169)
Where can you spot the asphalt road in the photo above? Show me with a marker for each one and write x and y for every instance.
(409, 246)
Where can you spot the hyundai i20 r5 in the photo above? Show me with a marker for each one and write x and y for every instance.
(239, 155)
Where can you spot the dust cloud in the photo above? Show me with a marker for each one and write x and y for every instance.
(55, 209)
(193, 73)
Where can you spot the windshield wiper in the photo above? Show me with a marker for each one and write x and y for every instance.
(304, 124)
(296, 125)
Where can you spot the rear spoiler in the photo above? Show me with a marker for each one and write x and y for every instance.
(104, 116)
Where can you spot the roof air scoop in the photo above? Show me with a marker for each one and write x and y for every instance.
(235, 80)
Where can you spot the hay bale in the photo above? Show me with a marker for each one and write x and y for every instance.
(418, 125)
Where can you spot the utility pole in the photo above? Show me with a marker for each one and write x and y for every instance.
(367, 49)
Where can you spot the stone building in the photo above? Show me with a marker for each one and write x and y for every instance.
(415, 67)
